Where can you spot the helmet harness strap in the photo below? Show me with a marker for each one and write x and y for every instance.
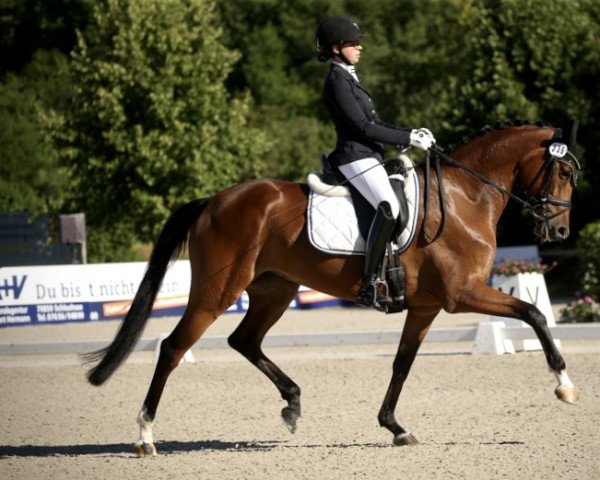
(341, 54)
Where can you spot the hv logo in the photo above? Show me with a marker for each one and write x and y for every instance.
(13, 287)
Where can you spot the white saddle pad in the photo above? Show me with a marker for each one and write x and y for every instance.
(332, 223)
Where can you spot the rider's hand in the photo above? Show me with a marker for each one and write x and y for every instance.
(421, 138)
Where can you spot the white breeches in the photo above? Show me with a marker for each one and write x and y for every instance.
(370, 178)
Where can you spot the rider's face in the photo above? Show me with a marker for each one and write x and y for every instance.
(351, 51)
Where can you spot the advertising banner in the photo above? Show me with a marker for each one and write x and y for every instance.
(80, 293)
(72, 293)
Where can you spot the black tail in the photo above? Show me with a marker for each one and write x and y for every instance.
(170, 242)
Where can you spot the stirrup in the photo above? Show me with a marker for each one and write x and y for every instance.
(374, 294)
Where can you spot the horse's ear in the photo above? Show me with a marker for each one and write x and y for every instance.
(573, 137)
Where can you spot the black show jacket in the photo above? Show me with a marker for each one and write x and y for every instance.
(360, 132)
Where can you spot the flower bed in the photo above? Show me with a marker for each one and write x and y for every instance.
(581, 310)
(513, 266)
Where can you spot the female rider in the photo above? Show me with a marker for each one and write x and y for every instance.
(360, 134)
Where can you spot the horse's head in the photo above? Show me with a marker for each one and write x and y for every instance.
(548, 176)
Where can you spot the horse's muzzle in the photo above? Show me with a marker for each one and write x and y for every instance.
(551, 233)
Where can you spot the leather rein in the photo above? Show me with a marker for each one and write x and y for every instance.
(536, 203)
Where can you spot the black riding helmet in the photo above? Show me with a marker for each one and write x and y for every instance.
(336, 30)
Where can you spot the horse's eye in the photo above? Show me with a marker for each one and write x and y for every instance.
(564, 173)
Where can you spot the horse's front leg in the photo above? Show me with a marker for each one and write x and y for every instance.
(484, 299)
(415, 328)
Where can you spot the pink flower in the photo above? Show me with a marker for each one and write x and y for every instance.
(511, 266)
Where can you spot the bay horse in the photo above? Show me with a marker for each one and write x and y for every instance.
(253, 237)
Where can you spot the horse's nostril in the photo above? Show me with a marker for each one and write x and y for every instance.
(562, 232)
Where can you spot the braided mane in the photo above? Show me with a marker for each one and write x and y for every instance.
(501, 125)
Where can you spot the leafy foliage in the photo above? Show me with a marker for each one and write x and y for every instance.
(589, 245)
(522, 62)
(28, 25)
(152, 125)
(30, 178)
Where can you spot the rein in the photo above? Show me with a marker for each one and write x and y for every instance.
(532, 204)
(441, 196)
(481, 177)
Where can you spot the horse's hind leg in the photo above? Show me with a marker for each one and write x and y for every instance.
(269, 296)
(415, 329)
(189, 329)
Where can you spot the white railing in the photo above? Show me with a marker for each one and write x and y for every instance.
(487, 338)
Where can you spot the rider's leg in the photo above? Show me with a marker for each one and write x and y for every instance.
(379, 235)
(369, 177)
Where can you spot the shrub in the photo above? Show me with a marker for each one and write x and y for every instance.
(588, 243)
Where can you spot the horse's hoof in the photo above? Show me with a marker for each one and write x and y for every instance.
(405, 439)
(567, 393)
(290, 418)
(142, 449)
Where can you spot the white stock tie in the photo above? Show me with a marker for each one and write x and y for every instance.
(352, 72)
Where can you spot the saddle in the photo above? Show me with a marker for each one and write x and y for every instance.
(339, 218)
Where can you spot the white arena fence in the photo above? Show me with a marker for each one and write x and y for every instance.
(486, 338)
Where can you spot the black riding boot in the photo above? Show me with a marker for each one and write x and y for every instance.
(379, 234)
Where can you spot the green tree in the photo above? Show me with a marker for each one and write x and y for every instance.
(588, 82)
(29, 25)
(588, 243)
(30, 176)
(411, 57)
(152, 124)
(534, 59)
(279, 67)
(524, 59)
